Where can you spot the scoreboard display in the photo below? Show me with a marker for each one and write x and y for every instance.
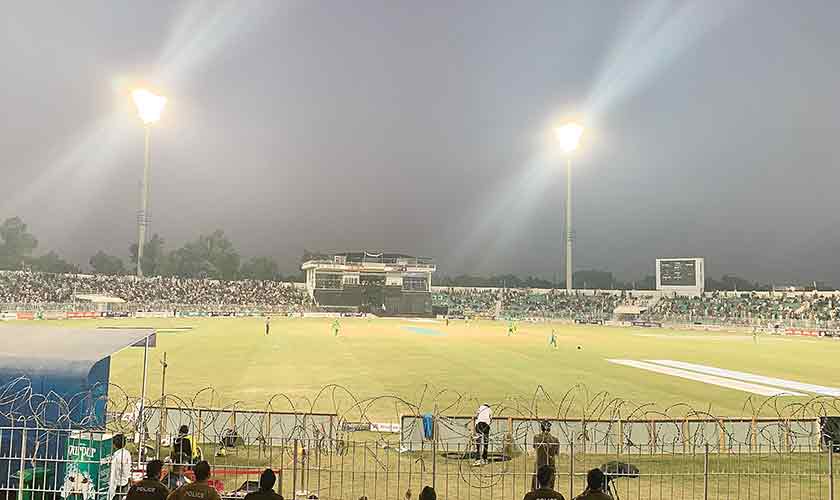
(680, 275)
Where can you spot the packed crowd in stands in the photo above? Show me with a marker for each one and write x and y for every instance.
(554, 304)
(27, 288)
(42, 288)
(467, 301)
(525, 303)
(747, 306)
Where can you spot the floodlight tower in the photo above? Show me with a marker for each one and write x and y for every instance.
(149, 107)
(568, 136)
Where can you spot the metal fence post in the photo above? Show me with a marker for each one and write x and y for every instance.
(22, 462)
(571, 467)
(294, 469)
(706, 472)
(830, 470)
(434, 459)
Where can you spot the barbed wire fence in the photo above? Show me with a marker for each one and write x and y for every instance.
(338, 444)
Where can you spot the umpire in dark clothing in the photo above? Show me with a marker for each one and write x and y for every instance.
(266, 491)
(546, 447)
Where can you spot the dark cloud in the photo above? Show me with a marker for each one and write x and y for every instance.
(425, 128)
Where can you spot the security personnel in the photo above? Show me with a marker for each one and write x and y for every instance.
(596, 484)
(547, 447)
(149, 488)
(544, 475)
(266, 491)
(199, 490)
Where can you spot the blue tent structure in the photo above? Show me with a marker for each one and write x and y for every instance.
(53, 381)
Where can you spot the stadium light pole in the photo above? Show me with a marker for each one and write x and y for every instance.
(569, 137)
(149, 107)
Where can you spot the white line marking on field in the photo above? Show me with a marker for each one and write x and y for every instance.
(750, 377)
(737, 385)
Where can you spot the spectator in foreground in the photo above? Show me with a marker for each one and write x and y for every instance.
(149, 488)
(266, 491)
(544, 492)
(200, 489)
(428, 493)
(596, 484)
(120, 468)
(175, 479)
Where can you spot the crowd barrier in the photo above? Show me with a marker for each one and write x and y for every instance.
(51, 463)
(648, 436)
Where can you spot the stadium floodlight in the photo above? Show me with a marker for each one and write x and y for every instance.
(569, 138)
(149, 107)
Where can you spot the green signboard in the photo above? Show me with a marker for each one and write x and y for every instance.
(88, 466)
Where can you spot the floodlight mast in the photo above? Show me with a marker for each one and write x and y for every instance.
(568, 136)
(149, 108)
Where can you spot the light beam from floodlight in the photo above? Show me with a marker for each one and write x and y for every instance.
(149, 107)
(569, 138)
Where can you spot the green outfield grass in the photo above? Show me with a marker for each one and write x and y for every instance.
(384, 356)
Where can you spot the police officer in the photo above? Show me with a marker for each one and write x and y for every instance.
(199, 490)
(149, 488)
(547, 447)
(266, 491)
(596, 483)
(544, 475)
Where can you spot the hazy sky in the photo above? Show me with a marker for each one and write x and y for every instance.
(425, 127)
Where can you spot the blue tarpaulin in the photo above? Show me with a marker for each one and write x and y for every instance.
(428, 426)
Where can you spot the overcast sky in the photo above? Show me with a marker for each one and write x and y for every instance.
(425, 127)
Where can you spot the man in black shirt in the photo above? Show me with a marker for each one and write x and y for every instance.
(182, 447)
(149, 488)
(266, 491)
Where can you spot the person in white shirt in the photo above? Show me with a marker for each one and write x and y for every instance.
(483, 417)
(120, 469)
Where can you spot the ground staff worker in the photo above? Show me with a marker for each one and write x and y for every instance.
(149, 488)
(546, 447)
(199, 490)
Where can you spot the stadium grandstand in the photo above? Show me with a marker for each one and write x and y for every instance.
(399, 285)
(44, 291)
(386, 284)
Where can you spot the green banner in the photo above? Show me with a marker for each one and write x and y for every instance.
(88, 466)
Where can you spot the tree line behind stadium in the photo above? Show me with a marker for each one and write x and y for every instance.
(214, 256)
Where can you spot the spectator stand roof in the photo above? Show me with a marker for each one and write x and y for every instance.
(99, 299)
(67, 366)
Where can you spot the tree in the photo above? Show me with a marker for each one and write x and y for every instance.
(51, 262)
(731, 282)
(210, 256)
(102, 263)
(153, 256)
(221, 254)
(260, 268)
(592, 279)
(17, 243)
